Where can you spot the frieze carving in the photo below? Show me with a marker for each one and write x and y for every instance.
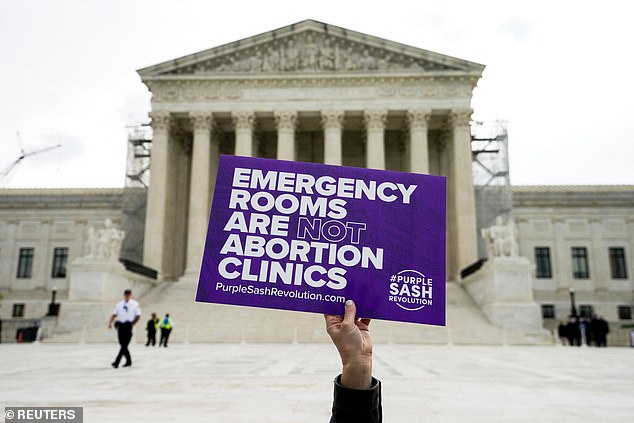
(192, 91)
(430, 89)
(311, 52)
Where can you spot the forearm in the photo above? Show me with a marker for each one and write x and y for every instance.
(357, 405)
(357, 373)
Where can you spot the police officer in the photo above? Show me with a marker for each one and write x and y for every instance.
(166, 327)
(125, 314)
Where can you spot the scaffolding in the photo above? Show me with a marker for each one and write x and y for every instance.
(138, 162)
(135, 192)
(490, 167)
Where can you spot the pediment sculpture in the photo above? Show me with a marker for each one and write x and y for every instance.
(310, 52)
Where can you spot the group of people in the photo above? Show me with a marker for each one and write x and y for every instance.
(125, 315)
(165, 325)
(582, 331)
(357, 395)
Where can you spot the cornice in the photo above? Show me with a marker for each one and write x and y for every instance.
(574, 196)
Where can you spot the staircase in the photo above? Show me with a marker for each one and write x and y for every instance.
(202, 322)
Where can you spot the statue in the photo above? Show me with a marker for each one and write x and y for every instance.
(367, 61)
(309, 54)
(271, 61)
(326, 56)
(292, 56)
(501, 239)
(104, 243)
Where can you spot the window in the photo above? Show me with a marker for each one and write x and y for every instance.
(18, 310)
(60, 257)
(580, 263)
(25, 263)
(548, 311)
(586, 311)
(617, 263)
(542, 262)
(625, 312)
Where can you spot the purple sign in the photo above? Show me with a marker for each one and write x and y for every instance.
(306, 237)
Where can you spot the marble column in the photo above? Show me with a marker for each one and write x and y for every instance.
(332, 122)
(9, 260)
(599, 260)
(418, 153)
(214, 158)
(461, 189)
(198, 191)
(243, 123)
(375, 121)
(157, 197)
(286, 122)
(560, 255)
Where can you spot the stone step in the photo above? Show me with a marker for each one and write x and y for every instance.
(200, 322)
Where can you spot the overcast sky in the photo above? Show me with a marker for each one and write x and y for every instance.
(558, 71)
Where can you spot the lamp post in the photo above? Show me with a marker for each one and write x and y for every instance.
(573, 309)
(53, 309)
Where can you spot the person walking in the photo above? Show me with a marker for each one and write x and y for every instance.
(125, 315)
(602, 330)
(166, 326)
(151, 327)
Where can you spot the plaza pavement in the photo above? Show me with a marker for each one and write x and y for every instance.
(293, 383)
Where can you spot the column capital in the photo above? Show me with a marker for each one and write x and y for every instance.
(332, 119)
(286, 120)
(243, 120)
(160, 120)
(460, 117)
(201, 121)
(375, 119)
(418, 118)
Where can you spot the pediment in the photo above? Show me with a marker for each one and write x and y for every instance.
(312, 47)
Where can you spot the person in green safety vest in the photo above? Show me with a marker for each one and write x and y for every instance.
(166, 326)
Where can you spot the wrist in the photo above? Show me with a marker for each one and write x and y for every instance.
(357, 374)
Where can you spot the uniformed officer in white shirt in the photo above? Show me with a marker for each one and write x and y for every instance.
(125, 314)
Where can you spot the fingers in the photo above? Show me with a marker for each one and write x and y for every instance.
(350, 312)
(331, 319)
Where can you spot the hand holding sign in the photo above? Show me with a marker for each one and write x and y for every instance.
(305, 237)
(352, 339)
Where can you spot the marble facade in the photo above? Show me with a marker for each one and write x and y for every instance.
(317, 93)
(307, 92)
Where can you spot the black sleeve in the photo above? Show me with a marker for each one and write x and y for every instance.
(357, 406)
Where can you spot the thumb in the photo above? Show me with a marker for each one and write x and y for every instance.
(350, 312)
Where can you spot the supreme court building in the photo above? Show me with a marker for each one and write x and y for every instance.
(313, 92)
(308, 92)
